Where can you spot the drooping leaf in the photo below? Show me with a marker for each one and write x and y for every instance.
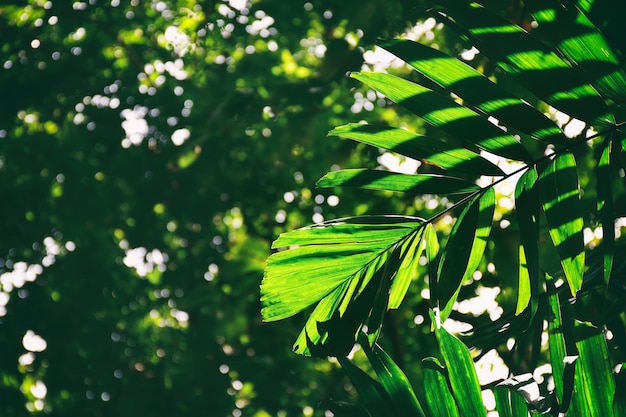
(371, 392)
(444, 113)
(428, 149)
(439, 399)
(537, 67)
(561, 202)
(464, 250)
(476, 89)
(394, 381)
(527, 206)
(461, 373)
(431, 251)
(384, 180)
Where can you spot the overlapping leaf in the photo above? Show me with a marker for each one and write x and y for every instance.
(539, 68)
(476, 89)
(444, 113)
(464, 250)
(581, 43)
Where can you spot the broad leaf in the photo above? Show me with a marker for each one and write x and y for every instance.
(341, 265)
(464, 250)
(476, 89)
(391, 181)
(461, 373)
(444, 113)
(561, 203)
(428, 149)
(440, 400)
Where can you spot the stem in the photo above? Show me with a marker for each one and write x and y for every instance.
(524, 168)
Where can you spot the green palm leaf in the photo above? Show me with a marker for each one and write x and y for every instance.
(561, 202)
(464, 250)
(334, 264)
(444, 113)
(476, 90)
(428, 149)
(533, 63)
(580, 42)
(385, 180)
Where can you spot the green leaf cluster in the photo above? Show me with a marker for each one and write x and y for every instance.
(507, 107)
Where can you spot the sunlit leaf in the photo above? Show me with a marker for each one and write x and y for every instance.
(391, 181)
(539, 69)
(334, 264)
(476, 89)
(410, 253)
(464, 250)
(527, 206)
(561, 202)
(428, 149)
(440, 400)
(594, 366)
(461, 373)
(444, 113)
(582, 44)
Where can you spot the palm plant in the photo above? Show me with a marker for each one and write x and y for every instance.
(347, 273)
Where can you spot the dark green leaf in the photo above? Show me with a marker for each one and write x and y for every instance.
(394, 381)
(606, 209)
(440, 400)
(562, 205)
(385, 180)
(518, 394)
(444, 113)
(464, 250)
(371, 392)
(428, 149)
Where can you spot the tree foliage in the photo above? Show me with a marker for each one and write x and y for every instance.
(541, 108)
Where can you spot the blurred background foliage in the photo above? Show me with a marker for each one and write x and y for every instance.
(150, 151)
